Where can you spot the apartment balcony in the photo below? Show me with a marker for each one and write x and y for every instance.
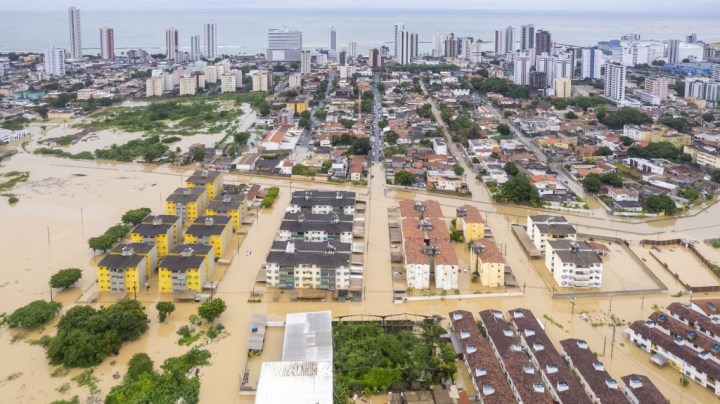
(581, 284)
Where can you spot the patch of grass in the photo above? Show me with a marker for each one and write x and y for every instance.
(188, 335)
(86, 379)
(42, 341)
(74, 400)
(552, 321)
(12, 376)
(62, 153)
(13, 178)
(18, 337)
(678, 294)
(60, 372)
(64, 388)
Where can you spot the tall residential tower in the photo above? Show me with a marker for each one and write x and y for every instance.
(210, 41)
(284, 45)
(615, 82)
(75, 40)
(171, 43)
(107, 43)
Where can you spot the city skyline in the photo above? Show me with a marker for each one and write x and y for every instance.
(656, 6)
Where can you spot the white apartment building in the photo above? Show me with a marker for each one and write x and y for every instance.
(592, 63)
(541, 228)
(107, 43)
(75, 33)
(295, 80)
(171, 43)
(305, 62)
(521, 70)
(195, 52)
(439, 146)
(261, 80)
(188, 85)
(615, 82)
(154, 86)
(55, 61)
(658, 85)
(228, 83)
(641, 52)
(573, 264)
(352, 50)
(211, 74)
(210, 41)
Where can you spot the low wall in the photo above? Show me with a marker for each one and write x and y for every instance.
(708, 264)
(456, 297)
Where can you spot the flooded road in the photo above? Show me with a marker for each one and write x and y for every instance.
(65, 202)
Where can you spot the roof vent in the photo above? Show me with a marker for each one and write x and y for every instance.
(204, 173)
(186, 252)
(209, 221)
(227, 198)
(461, 212)
(290, 247)
(127, 251)
(582, 344)
(157, 221)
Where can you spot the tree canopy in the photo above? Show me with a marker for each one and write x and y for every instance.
(622, 117)
(65, 278)
(511, 169)
(212, 309)
(135, 216)
(164, 309)
(404, 178)
(519, 190)
(659, 203)
(34, 314)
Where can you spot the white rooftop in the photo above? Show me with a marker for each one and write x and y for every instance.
(308, 337)
(305, 382)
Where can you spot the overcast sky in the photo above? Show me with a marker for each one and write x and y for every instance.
(654, 6)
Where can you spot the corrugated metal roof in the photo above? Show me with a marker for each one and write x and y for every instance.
(305, 382)
(308, 337)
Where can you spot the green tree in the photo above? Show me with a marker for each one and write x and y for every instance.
(458, 169)
(139, 365)
(212, 309)
(626, 115)
(659, 203)
(391, 137)
(404, 178)
(33, 314)
(691, 194)
(299, 169)
(362, 147)
(591, 183)
(164, 309)
(102, 243)
(716, 175)
(503, 129)
(679, 124)
(603, 151)
(199, 154)
(626, 140)
(708, 117)
(518, 189)
(65, 278)
(347, 123)
(511, 169)
(135, 216)
(321, 114)
(570, 115)
(613, 179)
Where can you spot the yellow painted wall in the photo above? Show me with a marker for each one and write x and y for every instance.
(473, 231)
(103, 277)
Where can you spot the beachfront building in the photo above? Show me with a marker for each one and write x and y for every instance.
(207, 252)
(123, 272)
(487, 261)
(232, 206)
(156, 233)
(149, 251)
(470, 221)
(211, 180)
(541, 228)
(187, 203)
(181, 273)
(210, 230)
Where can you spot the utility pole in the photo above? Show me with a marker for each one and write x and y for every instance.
(612, 344)
(611, 302)
(573, 306)
(604, 345)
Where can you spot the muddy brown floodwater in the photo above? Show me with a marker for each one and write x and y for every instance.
(65, 202)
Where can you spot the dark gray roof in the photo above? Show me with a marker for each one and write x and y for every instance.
(203, 230)
(151, 230)
(284, 259)
(546, 218)
(647, 393)
(224, 207)
(315, 194)
(581, 259)
(120, 262)
(336, 203)
(628, 204)
(308, 246)
(198, 249)
(190, 191)
(331, 228)
(565, 245)
(202, 177)
(166, 219)
(178, 263)
(138, 248)
(317, 217)
(183, 198)
(215, 219)
(556, 229)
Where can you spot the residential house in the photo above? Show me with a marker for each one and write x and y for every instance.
(591, 373)
(639, 389)
(445, 180)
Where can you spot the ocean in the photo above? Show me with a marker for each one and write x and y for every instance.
(244, 31)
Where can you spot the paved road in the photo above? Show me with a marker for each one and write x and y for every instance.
(377, 114)
(307, 134)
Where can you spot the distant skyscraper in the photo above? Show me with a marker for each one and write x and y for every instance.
(592, 61)
(342, 58)
(55, 61)
(615, 82)
(716, 72)
(499, 42)
(543, 43)
(333, 39)
(284, 45)
(692, 38)
(438, 46)
(210, 41)
(398, 28)
(75, 35)
(510, 40)
(171, 43)
(305, 62)
(107, 43)
(673, 51)
(195, 52)
(633, 36)
(352, 50)
(527, 37)
(450, 46)
(408, 46)
(521, 70)
(375, 58)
